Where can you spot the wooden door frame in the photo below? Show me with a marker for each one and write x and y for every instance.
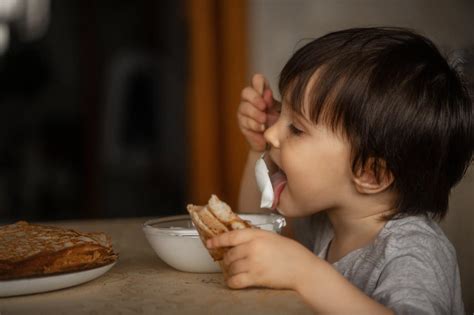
(217, 74)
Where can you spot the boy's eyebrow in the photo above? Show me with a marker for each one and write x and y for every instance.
(301, 118)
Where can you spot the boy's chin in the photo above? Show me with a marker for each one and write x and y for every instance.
(279, 211)
(284, 211)
(292, 211)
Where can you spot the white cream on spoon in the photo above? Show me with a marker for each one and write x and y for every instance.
(262, 173)
(264, 183)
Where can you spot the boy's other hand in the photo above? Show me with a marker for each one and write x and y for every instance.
(261, 258)
(257, 111)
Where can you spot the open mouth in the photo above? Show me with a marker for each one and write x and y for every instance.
(271, 181)
(278, 180)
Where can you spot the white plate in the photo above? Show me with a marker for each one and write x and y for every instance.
(50, 283)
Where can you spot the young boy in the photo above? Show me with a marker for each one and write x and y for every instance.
(373, 131)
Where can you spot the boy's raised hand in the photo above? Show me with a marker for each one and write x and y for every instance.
(257, 111)
(262, 258)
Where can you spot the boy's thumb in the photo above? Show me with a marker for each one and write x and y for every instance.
(258, 83)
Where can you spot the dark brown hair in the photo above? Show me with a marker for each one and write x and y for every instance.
(398, 102)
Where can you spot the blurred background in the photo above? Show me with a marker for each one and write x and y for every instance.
(127, 108)
(92, 108)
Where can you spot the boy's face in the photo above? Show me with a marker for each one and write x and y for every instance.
(316, 162)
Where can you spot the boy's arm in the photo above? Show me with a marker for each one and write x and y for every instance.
(249, 195)
(273, 261)
(328, 292)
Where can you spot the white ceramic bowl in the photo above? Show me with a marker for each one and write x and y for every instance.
(177, 243)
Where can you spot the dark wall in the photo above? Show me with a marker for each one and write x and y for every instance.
(92, 113)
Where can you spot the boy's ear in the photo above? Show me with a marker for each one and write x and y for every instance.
(366, 181)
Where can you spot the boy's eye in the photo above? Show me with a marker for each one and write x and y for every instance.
(295, 131)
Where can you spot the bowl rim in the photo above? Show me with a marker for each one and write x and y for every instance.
(149, 228)
(192, 232)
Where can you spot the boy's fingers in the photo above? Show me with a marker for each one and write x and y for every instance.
(255, 136)
(240, 281)
(232, 238)
(250, 95)
(247, 109)
(250, 124)
(235, 254)
(238, 266)
(256, 140)
(258, 83)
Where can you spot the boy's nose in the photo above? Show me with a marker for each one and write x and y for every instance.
(271, 135)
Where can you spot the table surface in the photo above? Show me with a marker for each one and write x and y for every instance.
(141, 283)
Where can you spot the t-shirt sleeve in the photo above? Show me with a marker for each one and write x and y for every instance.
(418, 278)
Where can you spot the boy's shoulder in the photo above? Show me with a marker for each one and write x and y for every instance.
(410, 255)
(415, 235)
(417, 226)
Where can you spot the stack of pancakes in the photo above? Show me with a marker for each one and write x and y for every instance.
(36, 250)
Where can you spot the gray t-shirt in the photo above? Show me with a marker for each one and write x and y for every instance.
(411, 266)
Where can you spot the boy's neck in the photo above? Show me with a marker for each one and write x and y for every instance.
(355, 227)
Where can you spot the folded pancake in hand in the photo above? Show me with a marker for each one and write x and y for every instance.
(36, 250)
(213, 219)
